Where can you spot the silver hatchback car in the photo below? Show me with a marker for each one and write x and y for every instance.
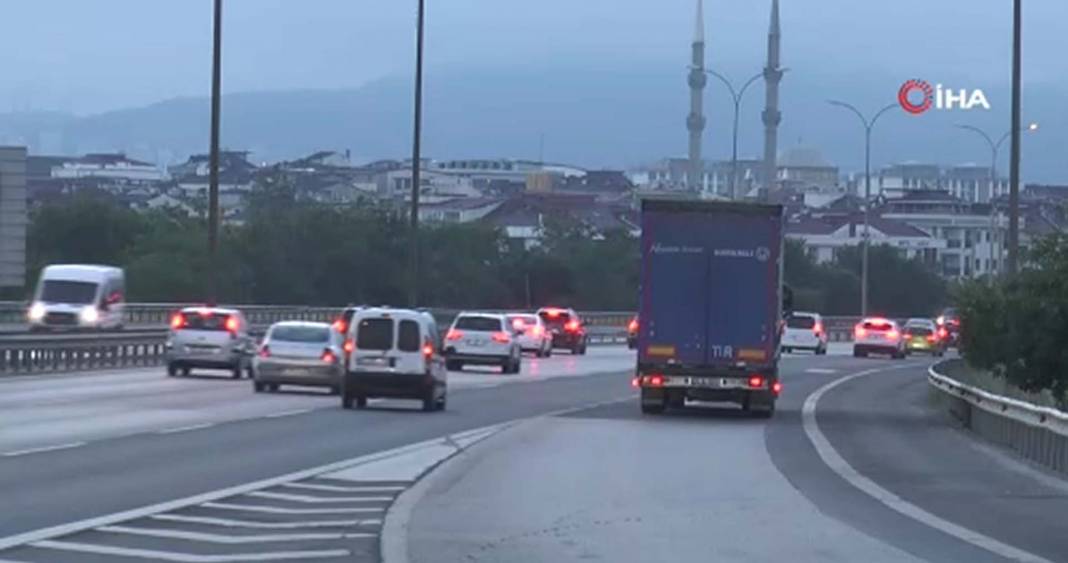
(299, 353)
(208, 338)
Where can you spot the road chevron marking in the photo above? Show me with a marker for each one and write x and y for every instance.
(839, 465)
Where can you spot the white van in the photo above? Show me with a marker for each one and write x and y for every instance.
(72, 296)
(393, 353)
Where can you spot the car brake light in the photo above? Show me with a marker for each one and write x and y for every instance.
(932, 338)
(453, 334)
(177, 321)
(339, 325)
(776, 388)
(265, 351)
(818, 329)
(572, 326)
(861, 332)
(654, 380)
(428, 349)
(553, 312)
(756, 382)
(232, 324)
(941, 320)
(501, 337)
(892, 334)
(633, 326)
(636, 382)
(942, 332)
(538, 330)
(519, 324)
(349, 346)
(328, 356)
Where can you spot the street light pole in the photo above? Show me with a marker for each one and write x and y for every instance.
(413, 249)
(736, 96)
(213, 157)
(869, 124)
(1014, 156)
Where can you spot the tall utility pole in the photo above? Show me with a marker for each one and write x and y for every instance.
(866, 237)
(736, 96)
(413, 249)
(213, 174)
(695, 122)
(1014, 156)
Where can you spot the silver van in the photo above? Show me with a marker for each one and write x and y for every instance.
(78, 296)
(209, 338)
(394, 353)
(299, 353)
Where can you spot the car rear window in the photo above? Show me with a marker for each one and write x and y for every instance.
(919, 330)
(802, 321)
(481, 324)
(375, 334)
(408, 336)
(309, 334)
(204, 321)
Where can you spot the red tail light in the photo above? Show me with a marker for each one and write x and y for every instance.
(892, 335)
(453, 334)
(932, 338)
(501, 337)
(265, 352)
(553, 312)
(633, 326)
(818, 329)
(776, 388)
(654, 380)
(756, 382)
(177, 321)
(340, 326)
(349, 346)
(636, 382)
(572, 326)
(519, 324)
(860, 331)
(538, 330)
(328, 356)
(232, 324)
(428, 349)
(942, 333)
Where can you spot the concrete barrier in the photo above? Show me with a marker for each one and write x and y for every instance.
(1039, 434)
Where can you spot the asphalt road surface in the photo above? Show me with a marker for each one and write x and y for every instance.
(595, 482)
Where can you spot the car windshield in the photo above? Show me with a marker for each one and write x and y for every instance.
(801, 321)
(479, 324)
(64, 291)
(301, 334)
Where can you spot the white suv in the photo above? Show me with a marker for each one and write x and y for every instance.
(804, 331)
(878, 336)
(483, 339)
(393, 353)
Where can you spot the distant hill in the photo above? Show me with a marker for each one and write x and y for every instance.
(611, 118)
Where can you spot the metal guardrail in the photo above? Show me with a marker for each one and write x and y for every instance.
(1036, 433)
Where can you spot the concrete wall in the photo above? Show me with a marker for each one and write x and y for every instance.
(13, 218)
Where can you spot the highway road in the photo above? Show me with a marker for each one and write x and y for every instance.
(223, 474)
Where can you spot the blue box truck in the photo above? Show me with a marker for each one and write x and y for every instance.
(710, 304)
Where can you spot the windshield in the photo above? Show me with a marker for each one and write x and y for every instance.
(302, 334)
(607, 281)
(63, 291)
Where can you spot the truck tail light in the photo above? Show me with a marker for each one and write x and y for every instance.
(655, 380)
(776, 388)
(756, 382)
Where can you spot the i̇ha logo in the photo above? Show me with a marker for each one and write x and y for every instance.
(917, 96)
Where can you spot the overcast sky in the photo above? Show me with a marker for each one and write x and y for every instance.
(88, 56)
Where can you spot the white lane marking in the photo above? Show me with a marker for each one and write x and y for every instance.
(316, 500)
(232, 523)
(188, 557)
(287, 413)
(228, 539)
(43, 449)
(821, 370)
(839, 465)
(340, 489)
(282, 510)
(186, 428)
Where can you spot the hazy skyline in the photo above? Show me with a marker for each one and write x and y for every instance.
(87, 57)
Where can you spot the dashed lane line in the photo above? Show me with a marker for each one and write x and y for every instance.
(228, 539)
(235, 523)
(187, 428)
(155, 555)
(315, 500)
(281, 510)
(287, 413)
(43, 449)
(821, 370)
(839, 465)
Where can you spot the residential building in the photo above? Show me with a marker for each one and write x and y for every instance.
(106, 165)
(968, 182)
(460, 210)
(806, 169)
(13, 216)
(824, 236)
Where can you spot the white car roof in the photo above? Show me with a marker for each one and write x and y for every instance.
(804, 314)
(311, 324)
(80, 272)
(209, 310)
(378, 312)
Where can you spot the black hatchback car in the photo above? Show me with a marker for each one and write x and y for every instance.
(568, 330)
